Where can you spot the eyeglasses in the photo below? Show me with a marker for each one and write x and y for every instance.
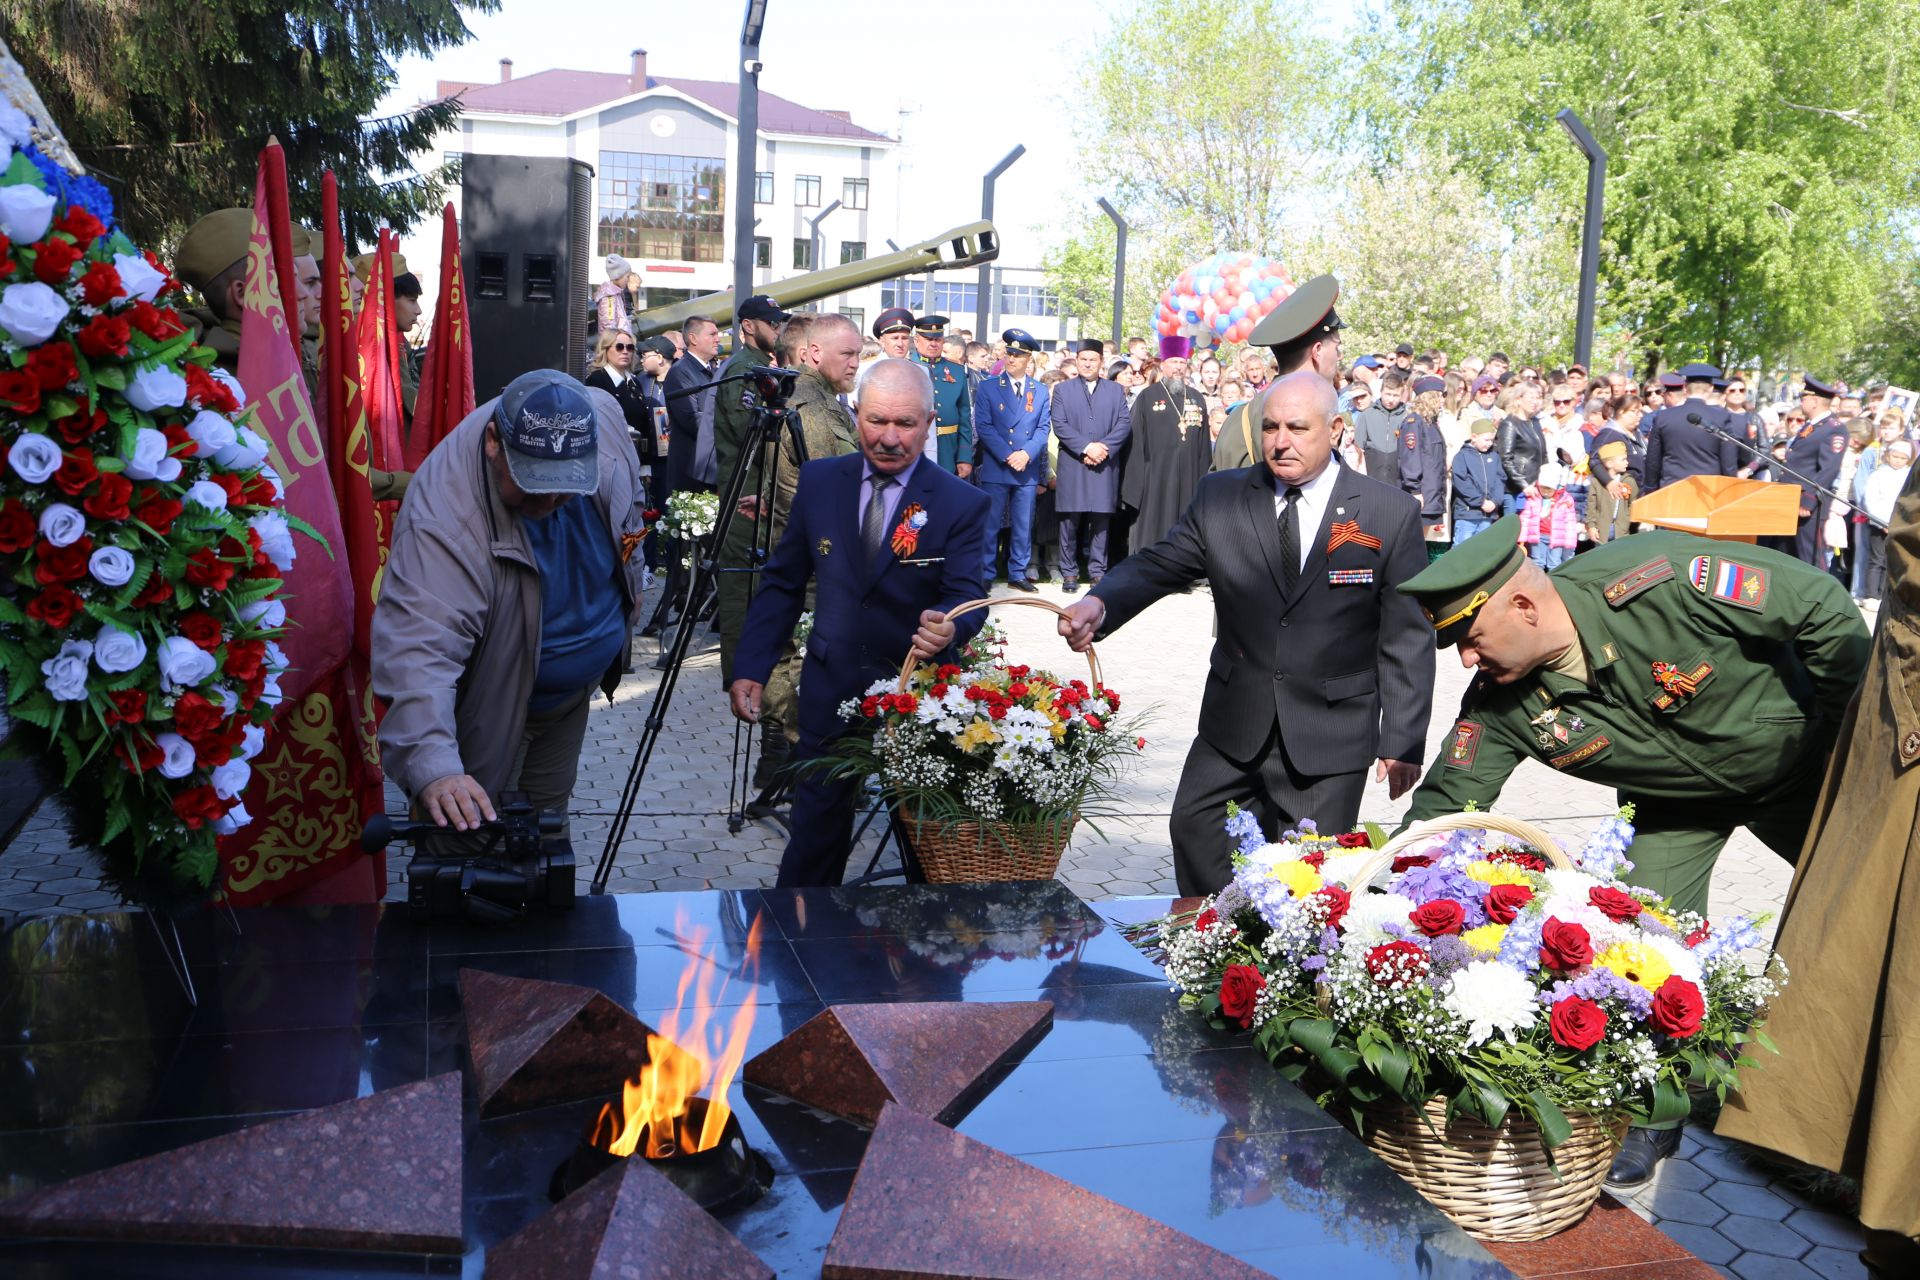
(1563, 402)
(1796, 417)
(623, 346)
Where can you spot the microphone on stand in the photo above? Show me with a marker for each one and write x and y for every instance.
(1693, 419)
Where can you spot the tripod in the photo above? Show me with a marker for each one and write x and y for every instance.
(771, 417)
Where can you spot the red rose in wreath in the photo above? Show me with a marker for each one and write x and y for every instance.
(1354, 840)
(1565, 947)
(1577, 1023)
(1439, 917)
(1678, 1008)
(1240, 988)
(1505, 900)
(1614, 905)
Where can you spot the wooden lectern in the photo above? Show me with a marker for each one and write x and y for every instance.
(1723, 507)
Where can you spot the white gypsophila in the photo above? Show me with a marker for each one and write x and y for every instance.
(179, 759)
(116, 652)
(246, 451)
(276, 538)
(138, 277)
(183, 663)
(1195, 957)
(66, 671)
(33, 457)
(149, 459)
(1488, 996)
(269, 614)
(231, 778)
(234, 819)
(1368, 914)
(253, 740)
(981, 796)
(111, 566)
(154, 387)
(25, 213)
(60, 524)
(205, 493)
(212, 432)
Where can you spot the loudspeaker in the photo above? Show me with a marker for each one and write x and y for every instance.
(526, 240)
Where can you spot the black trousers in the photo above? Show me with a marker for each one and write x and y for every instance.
(1095, 524)
(1270, 786)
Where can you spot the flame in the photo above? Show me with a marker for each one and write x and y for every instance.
(688, 1057)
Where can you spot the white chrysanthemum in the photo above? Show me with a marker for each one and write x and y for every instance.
(1572, 910)
(1340, 868)
(1684, 963)
(1570, 884)
(1488, 996)
(1369, 914)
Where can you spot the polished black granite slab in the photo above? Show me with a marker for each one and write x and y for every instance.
(102, 1060)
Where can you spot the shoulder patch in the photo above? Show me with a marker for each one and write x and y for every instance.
(1594, 746)
(1463, 746)
(1839, 444)
(1699, 572)
(1634, 581)
(1740, 585)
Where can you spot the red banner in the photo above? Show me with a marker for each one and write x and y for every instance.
(348, 438)
(446, 381)
(377, 339)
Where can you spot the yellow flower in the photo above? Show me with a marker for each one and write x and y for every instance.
(1486, 939)
(1637, 963)
(976, 734)
(1299, 878)
(1664, 918)
(1497, 873)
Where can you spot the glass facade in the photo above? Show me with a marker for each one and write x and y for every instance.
(859, 317)
(950, 299)
(1029, 300)
(802, 253)
(763, 188)
(664, 208)
(763, 251)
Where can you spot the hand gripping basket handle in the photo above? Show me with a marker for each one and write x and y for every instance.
(1420, 832)
(1093, 659)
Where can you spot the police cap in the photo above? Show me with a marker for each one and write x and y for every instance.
(1308, 309)
(1699, 372)
(1672, 381)
(893, 320)
(1812, 386)
(930, 325)
(1428, 382)
(1452, 588)
(1019, 342)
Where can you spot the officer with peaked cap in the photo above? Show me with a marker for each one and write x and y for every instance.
(1816, 452)
(1694, 437)
(1303, 332)
(952, 442)
(1704, 680)
(1012, 419)
(894, 330)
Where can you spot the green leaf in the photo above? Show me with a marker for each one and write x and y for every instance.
(1670, 1103)
(1554, 1128)
(112, 377)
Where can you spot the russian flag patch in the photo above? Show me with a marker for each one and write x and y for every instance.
(1739, 584)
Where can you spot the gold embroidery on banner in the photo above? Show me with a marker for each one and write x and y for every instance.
(309, 770)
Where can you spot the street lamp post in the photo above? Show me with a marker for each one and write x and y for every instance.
(819, 242)
(1589, 232)
(1119, 267)
(746, 154)
(986, 214)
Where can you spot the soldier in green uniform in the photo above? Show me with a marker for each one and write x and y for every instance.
(1704, 680)
(760, 320)
(952, 443)
(1303, 333)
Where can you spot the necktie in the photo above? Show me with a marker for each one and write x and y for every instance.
(1290, 540)
(873, 524)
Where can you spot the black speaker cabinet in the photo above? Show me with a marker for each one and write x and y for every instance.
(526, 241)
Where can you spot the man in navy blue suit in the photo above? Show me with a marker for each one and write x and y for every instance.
(891, 543)
(1010, 416)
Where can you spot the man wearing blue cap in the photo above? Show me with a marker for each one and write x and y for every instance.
(509, 595)
(1693, 438)
(1815, 452)
(1011, 417)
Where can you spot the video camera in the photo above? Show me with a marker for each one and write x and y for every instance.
(491, 874)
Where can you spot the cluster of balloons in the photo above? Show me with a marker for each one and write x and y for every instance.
(1228, 293)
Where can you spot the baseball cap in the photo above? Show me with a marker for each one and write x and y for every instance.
(546, 421)
(1404, 349)
(659, 346)
(761, 307)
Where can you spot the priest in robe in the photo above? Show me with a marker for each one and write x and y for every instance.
(1170, 447)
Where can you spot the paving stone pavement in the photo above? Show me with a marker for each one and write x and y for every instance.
(1739, 1218)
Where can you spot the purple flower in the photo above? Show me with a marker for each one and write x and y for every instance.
(1442, 880)
(1599, 986)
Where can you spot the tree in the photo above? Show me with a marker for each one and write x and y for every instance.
(169, 101)
(1080, 269)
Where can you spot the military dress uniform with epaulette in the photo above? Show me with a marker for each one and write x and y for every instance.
(1715, 677)
(953, 439)
(1815, 452)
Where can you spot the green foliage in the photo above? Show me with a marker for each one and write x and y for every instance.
(170, 101)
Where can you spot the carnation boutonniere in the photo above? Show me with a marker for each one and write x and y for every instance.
(906, 534)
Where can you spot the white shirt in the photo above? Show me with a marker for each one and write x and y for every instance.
(1315, 497)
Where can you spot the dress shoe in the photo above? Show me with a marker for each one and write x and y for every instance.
(1069, 585)
(1023, 585)
(1641, 1154)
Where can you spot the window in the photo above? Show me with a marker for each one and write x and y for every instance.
(853, 193)
(763, 188)
(948, 298)
(853, 251)
(1028, 300)
(666, 208)
(763, 251)
(806, 191)
(858, 315)
(802, 253)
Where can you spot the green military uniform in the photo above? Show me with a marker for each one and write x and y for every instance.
(1290, 331)
(1709, 682)
(953, 440)
(732, 425)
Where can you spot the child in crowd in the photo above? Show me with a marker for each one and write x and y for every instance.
(1883, 490)
(1607, 516)
(1479, 485)
(1550, 519)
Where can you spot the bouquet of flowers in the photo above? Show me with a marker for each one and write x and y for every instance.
(1473, 972)
(691, 513)
(142, 539)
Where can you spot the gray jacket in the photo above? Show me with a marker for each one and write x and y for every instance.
(1377, 432)
(456, 635)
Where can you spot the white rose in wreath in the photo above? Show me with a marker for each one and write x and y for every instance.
(253, 740)
(116, 652)
(138, 277)
(231, 778)
(212, 432)
(236, 818)
(276, 539)
(111, 566)
(179, 759)
(31, 312)
(245, 452)
(152, 388)
(183, 663)
(34, 457)
(268, 614)
(25, 212)
(66, 671)
(149, 460)
(205, 493)
(233, 384)
(61, 524)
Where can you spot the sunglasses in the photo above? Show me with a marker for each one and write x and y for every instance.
(623, 346)
(1563, 402)
(1796, 417)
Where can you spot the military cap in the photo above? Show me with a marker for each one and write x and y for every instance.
(1699, 372)
(1452, 588)
(1672, 381)
(1091, 344)
(363, 265)
(306, 242)
(1307, 310)
(930, 325)
(892, 320)
(1427, 383)
(1483, 427)
(212, 244)
(1019, 341)
(1812, 386)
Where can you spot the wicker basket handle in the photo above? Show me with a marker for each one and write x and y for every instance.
(1093, 660)
(1421, 831)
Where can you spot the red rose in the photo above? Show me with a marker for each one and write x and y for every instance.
(77, 472)
(158, 323)
(53, 366)
(60, 564)
(157, 591)
(1699, 935)
(236, 488)
(20, 391)
(1577, 1023)
(1519, 858)
(1439, 917)
(246, 658)
(53, 261)
(1354, 840)
(100, 284)
(1505, 900)
(259, 493)
(79, 426)
(105, 336)
(216, 748)
(1614, 905)
(205, 569)
(81, 225)
(1565, 947)
(1315, 858)
(202, 628)
(1395, 961)
(1240, 987)
(180, 441)
(7, 264)
(197, 806)
(1337, 900)
(158, 512)
(109, 502)
(129, 706)
(17, 529)
(55, 606)
(1206, 920)
(209, 391)
(195, 716)
(1678, 1008)
(146, 755)
(1409, 861)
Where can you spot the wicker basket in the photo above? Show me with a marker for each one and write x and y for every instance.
(1494, 1183)
(966, 852)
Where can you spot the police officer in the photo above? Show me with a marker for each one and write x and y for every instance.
(1303, 333)
(1704, 680)
(1011, 420)
(1815, 452)
(893, 329)
(952, 444)
(1678, 446)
